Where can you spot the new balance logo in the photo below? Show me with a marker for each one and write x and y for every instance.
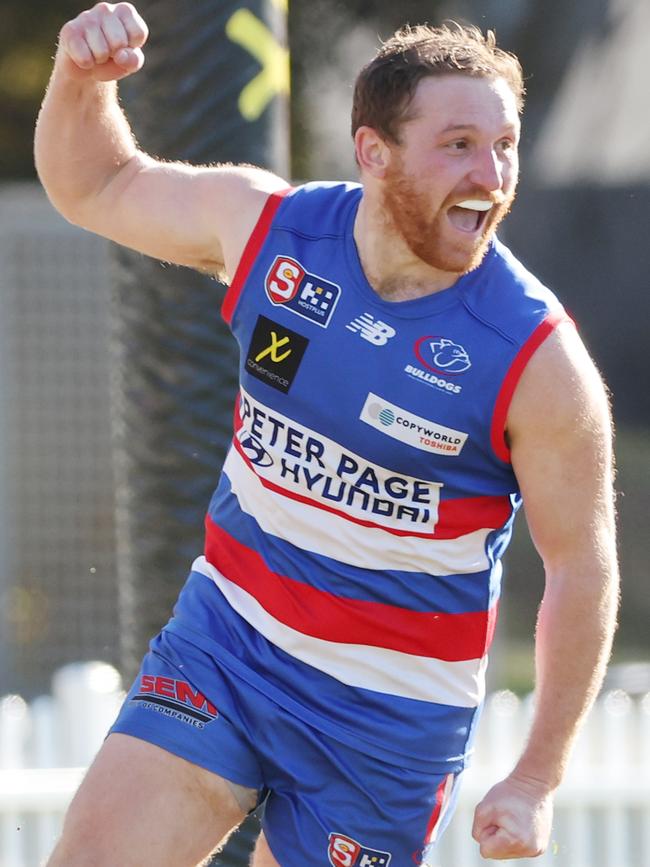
(373, 330)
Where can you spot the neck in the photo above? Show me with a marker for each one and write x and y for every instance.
(391, 268)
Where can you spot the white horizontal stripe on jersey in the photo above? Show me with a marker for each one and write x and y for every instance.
(333, 535)
(460, 684)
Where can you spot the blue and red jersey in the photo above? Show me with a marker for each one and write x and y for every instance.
(355, 539)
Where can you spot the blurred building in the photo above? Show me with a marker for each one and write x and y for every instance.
(58, 599)
(596, 130)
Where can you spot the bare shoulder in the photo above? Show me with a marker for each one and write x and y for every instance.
(560, 431)
(236, 196)
(561, 391)
(200, 216)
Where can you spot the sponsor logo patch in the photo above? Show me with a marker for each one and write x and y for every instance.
(373, 330)
(253, 449)
(419, 432)
(288, 284)
(439, 358)
(175, 698)
(442, 355)
(275, 353)
(293, 458)
(343, 851)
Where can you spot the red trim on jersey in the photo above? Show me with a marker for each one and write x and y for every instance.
(437, 810)
(456, 518)
(314, 612)
(252, 248)
(502, 403)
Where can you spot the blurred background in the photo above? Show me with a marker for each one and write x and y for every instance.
(117, 376)
(581, 222)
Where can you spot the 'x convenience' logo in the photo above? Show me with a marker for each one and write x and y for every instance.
(275, 353)
(273, 347)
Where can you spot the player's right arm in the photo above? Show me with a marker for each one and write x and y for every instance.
(95, 175)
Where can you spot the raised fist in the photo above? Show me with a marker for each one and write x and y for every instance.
(104, 43)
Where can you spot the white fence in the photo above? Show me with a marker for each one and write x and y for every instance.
(44, 748)
(602, 816)
(603, 808)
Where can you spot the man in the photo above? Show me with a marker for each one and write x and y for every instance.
(404, 383)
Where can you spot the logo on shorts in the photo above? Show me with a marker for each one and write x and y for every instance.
(345, 852)
(310, 296)
(176, 699)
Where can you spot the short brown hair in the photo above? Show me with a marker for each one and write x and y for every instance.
(385, 86)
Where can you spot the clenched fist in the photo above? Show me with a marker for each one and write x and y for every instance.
(104, 43)
(514, 820)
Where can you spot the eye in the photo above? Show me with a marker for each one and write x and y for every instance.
(460, 144)
(506, 144)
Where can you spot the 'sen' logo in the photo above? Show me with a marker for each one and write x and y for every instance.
(272, 349)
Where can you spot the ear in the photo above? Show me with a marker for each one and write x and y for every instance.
(372, 152)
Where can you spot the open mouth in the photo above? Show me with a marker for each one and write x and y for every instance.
(470, 215)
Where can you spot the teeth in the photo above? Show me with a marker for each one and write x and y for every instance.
(475, 205)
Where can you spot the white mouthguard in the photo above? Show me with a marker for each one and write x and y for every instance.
(475, 205)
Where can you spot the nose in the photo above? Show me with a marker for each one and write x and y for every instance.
(487, 171)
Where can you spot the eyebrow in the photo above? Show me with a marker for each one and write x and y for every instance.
(471, 126)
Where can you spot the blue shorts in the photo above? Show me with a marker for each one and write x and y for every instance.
(325, 802)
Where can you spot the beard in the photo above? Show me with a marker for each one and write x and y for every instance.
(429, 236)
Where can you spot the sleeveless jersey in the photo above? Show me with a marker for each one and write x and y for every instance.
(356, 535)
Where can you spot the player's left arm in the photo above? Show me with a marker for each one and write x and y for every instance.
(560, 432)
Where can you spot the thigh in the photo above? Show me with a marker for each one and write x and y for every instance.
(331, 805)
(183, 702)
(139, 804)
(262, 856)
